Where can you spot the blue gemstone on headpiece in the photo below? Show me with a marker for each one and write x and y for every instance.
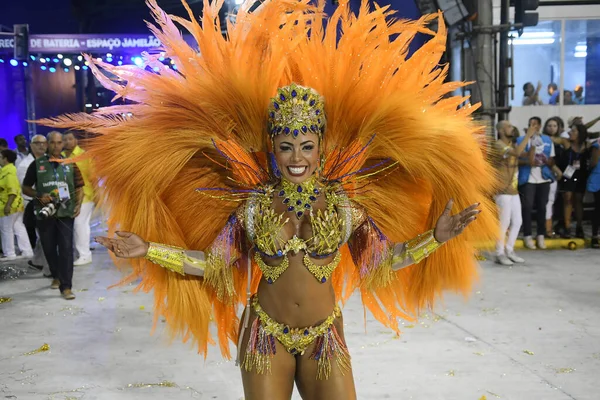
(305, 97)
(269, 280)
(291, 208)
(304, 129)
(286, 330)
(272, 114)
(299, 189)
(323, 280)
(316, 191)
(318, 112)
(279, 129)
(279, 252)
(293, 351)
(286, 130)
(281, 192)
(298, 202)
(286, 200)
(319, 121)
(306, 332)
(282, 97)
(276, 106)
(299, 214)
(295, 132)
(294, 94)
(312, 103)
(307, 205)
(313, 198)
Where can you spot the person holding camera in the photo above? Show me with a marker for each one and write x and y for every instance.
(57, 194)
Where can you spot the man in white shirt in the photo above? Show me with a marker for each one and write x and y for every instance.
(22, 150)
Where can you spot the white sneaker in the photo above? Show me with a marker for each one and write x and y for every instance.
(82, 261)
(27, 255)
(503, 260)
(528, 242)
(541, 244)
(514, 258)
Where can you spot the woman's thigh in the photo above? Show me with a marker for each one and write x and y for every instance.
(277, 384)
(340, 383)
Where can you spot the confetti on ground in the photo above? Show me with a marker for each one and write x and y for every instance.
(483, 397)
(494, 394)
(528, 352)
(564, 370)
(159, 384)
(478, 353)
(101, 298)
(42, 348)
(142, 307)
(450, 373)
(5, 299)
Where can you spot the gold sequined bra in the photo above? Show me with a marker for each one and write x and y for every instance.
(331, 229)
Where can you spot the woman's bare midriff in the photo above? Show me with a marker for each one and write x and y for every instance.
(297, 298)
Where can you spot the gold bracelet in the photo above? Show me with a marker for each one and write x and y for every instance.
(168, 257)
(422, 246)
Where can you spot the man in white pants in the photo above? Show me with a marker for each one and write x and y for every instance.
(507, 199)
(81, 227)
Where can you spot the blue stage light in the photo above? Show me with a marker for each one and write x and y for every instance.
(55, 60)
(139, 61)
(43, 68)
(52, 69)
(25, 63)
(14, 63)
(85, 67)
(32, 58)
(66, 69)
(120, 62)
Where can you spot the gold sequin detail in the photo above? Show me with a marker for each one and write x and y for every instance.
(267, 227)
(295, 245)
(168, 257)
(327, 229)
(271, 272)
(322, 272)
(422, 246)
(295, 340)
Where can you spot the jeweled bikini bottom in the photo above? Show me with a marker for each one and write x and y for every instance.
(265, 330)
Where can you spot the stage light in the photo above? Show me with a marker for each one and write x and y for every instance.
(60, 56)
(139, 61)
(99, 59)
(14, 63)
(66, 69)
(172, 61)
(42, 60)
(52, 69)
(109, 60)
(161, 58)
(108, 55)
(85, 67)
(77, 67)
(156, 69)
(175, 67)
(120, 62)
(25, 63)
(67, 62)
(86, 63)
(43, 68)
(55, 60)
(32, 58)
(1, 61)
(80, 58)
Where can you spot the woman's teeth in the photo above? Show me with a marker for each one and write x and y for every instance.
(296, 170)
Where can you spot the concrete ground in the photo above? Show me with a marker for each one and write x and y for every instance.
(528, 332)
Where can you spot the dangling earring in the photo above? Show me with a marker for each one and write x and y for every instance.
(274, 166)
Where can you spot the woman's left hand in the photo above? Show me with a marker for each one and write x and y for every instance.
(449, 226)
(6, 210)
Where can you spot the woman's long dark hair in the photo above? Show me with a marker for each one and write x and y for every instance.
(582, 134)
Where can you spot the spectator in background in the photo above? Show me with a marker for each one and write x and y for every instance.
(531, 95)
(11, 205)
(38, 145)
(568, 98)
(552, 129)
(505, 155)
(593, 186)
(553, 93)
(579, 99)
(22, 149)
(535, 176)
(3, 144)
(573, 162)
(81, 228)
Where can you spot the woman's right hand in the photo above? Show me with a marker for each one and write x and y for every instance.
(126, 245)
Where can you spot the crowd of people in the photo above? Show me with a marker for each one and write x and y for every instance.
(532, 97)
(548, 170)
(46, 206)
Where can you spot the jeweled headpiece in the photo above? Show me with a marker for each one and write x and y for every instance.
(296, 109)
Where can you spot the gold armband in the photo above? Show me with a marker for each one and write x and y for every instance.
(171, 258)
(422, 246)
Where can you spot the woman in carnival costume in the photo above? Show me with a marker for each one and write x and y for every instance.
(325, 160)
